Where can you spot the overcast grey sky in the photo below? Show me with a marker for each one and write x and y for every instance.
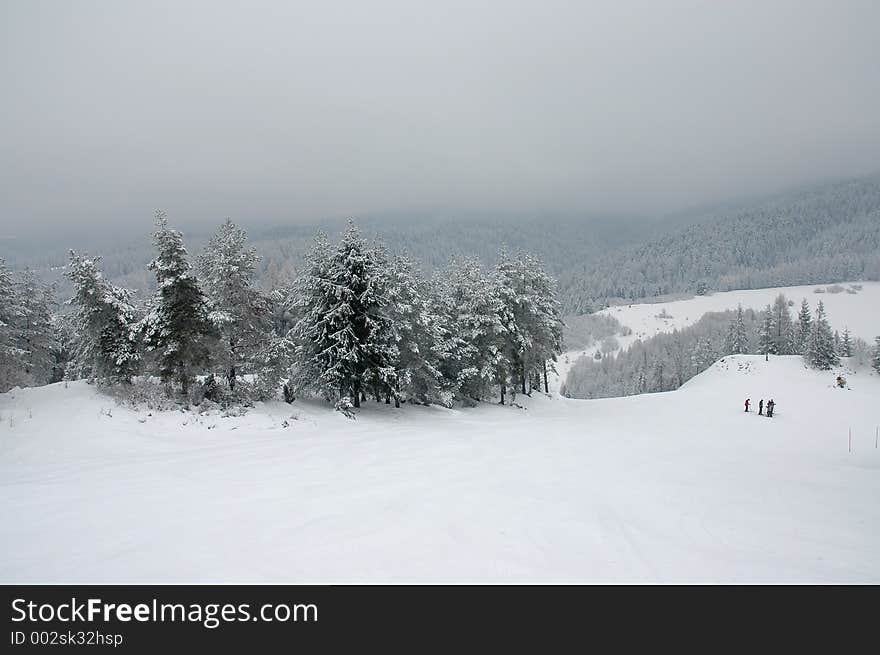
(292, 111)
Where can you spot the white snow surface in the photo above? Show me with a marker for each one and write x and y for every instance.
(860, 312)
(679, 487)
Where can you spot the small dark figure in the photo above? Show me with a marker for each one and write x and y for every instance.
(747, 404)
(288, 393)
(761, 407)
(770, 407)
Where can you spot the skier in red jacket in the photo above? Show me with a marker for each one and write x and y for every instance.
(747, 404)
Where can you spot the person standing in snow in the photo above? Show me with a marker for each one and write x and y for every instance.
(770, 406)
(761, 407)
(747, 404)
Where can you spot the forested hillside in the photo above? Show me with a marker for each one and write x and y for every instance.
(824, 233)
(830, 233)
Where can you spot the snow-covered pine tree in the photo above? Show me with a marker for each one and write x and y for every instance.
(846, 344)
(875, 359)
(239, 313)
(382, 351)
(341, 336)
(546, 326)
(737, 335)
(176, 328)
(35, 330)
(679, 358)
(658, 379)
(821, 353)
(531, 313)
(11, 354)
(418, 338)
(803, 328)
(103, 348)
(838, 346)
(766, 341)
(514, 310)
(305, 306)
(705, 354)
(64, 340)
(783, 328)
(472, 312)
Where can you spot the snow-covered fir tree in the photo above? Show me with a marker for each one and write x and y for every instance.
(846, 343)
(766, 336)
(103, 348)
(240, 313)
(543, 320)
(737, 336)
(342, 338)
(509, 281)
(531, 315)
(176, 329)
(803, 329)
(418, 335)
(305, 304)
(875, 359)
(472, 310)
(35, 330)
(821, 352)
(784, 334)
(705, 354)
(11, 354)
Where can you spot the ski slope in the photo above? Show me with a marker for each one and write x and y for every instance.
(859, 312)
(676, 487)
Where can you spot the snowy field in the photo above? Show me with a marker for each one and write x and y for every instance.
(860, 312)
(673, 487)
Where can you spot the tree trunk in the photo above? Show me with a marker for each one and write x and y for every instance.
(231, 376)
(546, 388)
(396, 401)
(502, 393)
(522, 375)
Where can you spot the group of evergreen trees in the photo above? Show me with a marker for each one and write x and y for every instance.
(356, 322)
(31, 350)
(809, 336)
(367, 324)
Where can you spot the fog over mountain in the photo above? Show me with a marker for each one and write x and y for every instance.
(289, 112)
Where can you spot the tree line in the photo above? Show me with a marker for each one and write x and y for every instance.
(355, 322)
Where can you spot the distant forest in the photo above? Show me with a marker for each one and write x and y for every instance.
(820, 234)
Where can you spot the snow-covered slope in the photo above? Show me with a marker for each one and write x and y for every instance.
(860, 312)
(675, 487)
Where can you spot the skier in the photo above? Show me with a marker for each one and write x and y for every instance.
(747, 404)
(770, 407)
(761, 407)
